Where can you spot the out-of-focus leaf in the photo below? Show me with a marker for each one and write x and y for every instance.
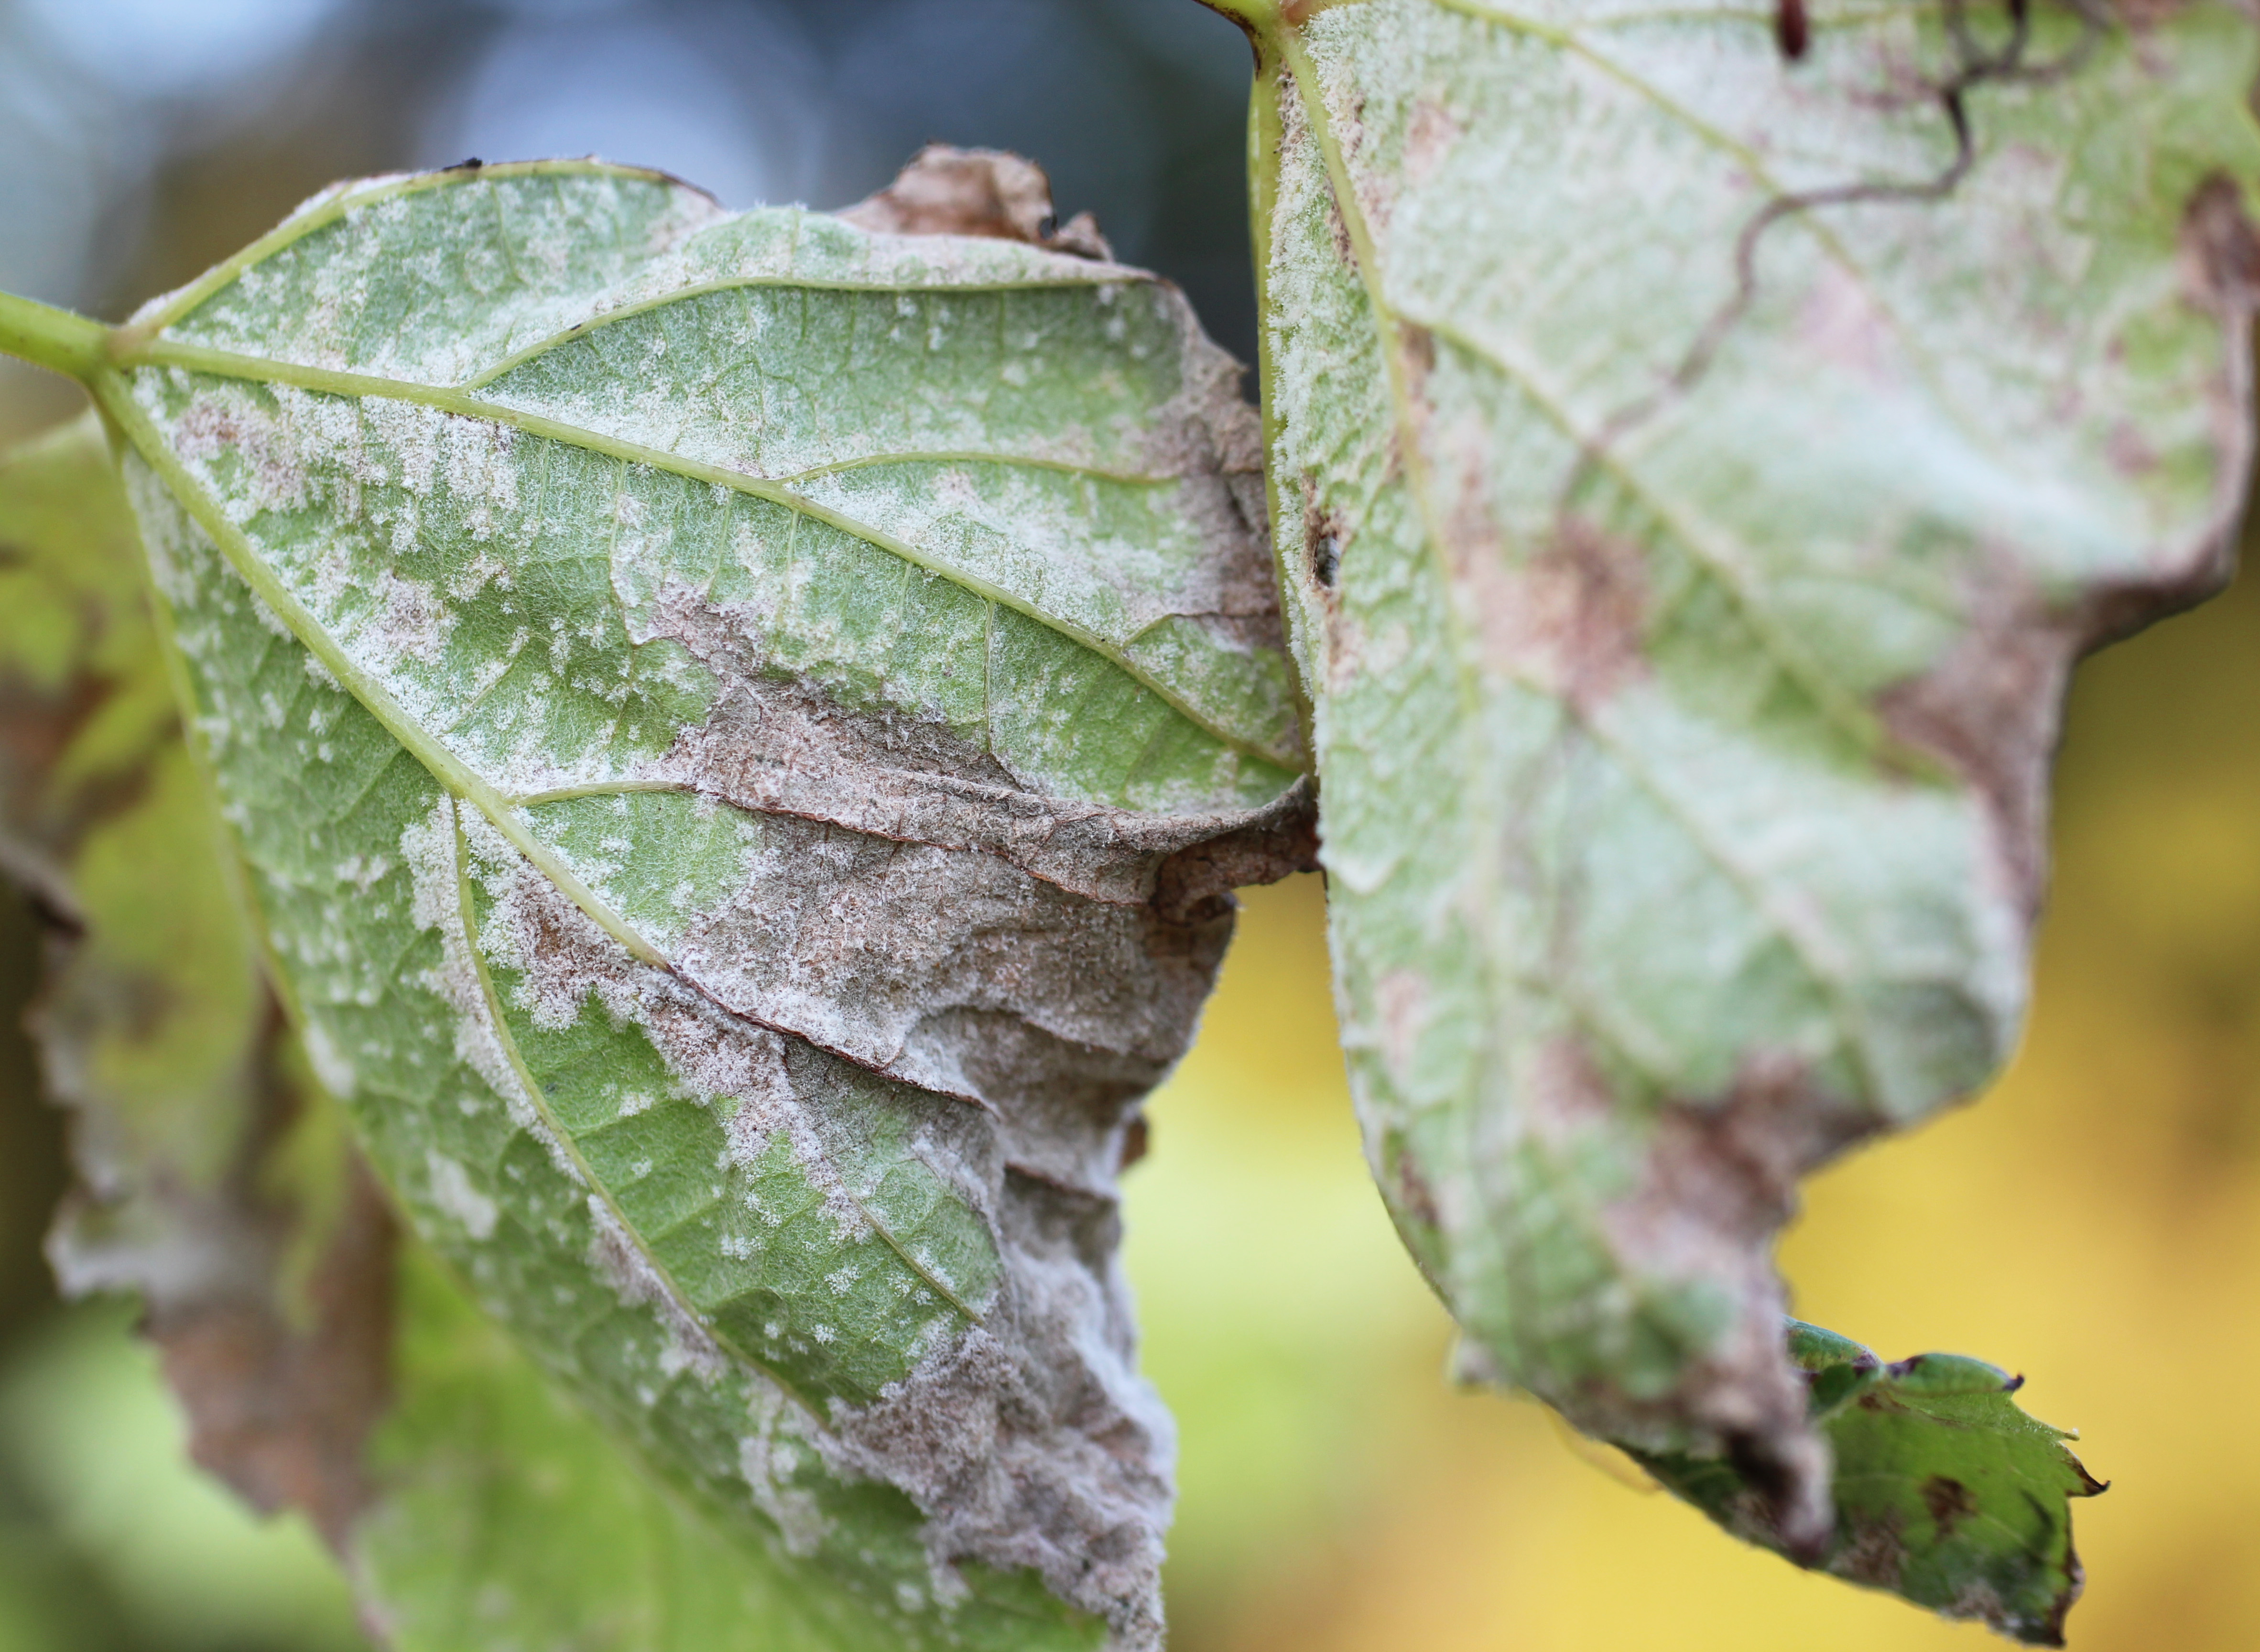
(92, 1441)
(1947, 1491)
(206, 1184)
(1695, 466)
(738, 729)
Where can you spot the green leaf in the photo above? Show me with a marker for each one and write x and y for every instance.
(1695, 471)
(511, 1517)
(204, 1185)
(476, 1507)
(1947, 1492)
(211, 1182)
(739, 729)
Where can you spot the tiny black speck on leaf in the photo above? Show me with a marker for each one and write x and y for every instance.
(1792, 30)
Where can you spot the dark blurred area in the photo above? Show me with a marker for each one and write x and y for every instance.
(32, 1174)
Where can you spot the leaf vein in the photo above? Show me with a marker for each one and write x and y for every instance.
(228, 364)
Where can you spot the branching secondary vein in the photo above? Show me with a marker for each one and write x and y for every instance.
(255, 369)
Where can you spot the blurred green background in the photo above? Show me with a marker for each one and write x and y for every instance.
(2095, 1223)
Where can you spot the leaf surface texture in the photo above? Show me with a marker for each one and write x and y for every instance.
(1695, 471)
(729, 720)
(323, 1364)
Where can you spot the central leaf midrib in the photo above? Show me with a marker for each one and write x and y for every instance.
(447, 399)
(1365, 258)
(117, 400)
(455, 776)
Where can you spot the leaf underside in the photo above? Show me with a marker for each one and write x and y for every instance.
(732, 725)
(1695, 470)
(719, 721)
(321, 1367)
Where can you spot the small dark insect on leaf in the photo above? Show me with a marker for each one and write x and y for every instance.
(1790, 31)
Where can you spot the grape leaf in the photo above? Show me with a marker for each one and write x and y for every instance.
(740, 729)
(509, 1517)
(1947, 1492)
(320, 1369)
(1696, 465)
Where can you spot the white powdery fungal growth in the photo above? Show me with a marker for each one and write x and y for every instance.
(770, 1457)
(267, 470)
(562, 959)
(957, 1435)
(996, 1433)
(329, 1062)
(452, 1192)
(430, 849)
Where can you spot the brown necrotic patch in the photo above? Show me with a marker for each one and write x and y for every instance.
(1989, 710)
(43, 820)
(1573, 616)
(1949, 1501)
(1323, 537)
(1194, 886)
(280, 1405)
(2221, 247)
(1430, 131)
(1876, 1555)
(1326, 539)
(985, 192)
(283, 1376)
(1715, 1178)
